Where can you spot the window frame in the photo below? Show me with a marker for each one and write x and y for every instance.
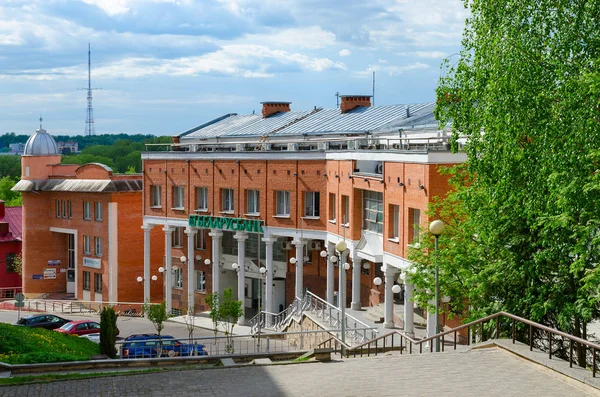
(394, 223)
(64, 209)
(70, 209)
(155, 196)
(177, 241)
(87, 211)
(345, 221)
(178, 278)
(87, 278)
(255, 208)
(10, 262)
(202, 198)
(98, 211)
(97, 282)
(178, 197)
(87, 245)
(332, 208)
(372, 203)
(98, 246)
(200, 237)
(227, 200)
(199, 276)
(312, 204)
(282, 209)
(414, 219)
(57, 209)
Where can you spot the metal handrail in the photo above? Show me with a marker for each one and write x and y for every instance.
(338, 309)
(420, 342)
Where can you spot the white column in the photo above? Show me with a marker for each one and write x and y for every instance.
(216, 235)
(342, 279)
(409, 308)
(241, 238)
(390, 276)
(191, 233)
(168, 277)
(299, 267)
(147, 229)
(355, 305)
(269, 275)
(330, 273)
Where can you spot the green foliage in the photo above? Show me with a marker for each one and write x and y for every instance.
(23, 345)
(10, 165)
(108, 332)
(224, 312)
(523, 221)
(157, 314)
(12, 199)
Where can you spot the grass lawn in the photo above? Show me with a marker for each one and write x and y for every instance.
(23, 345)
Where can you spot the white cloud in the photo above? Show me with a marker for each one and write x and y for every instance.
(111, 7)
(345, 52)
(391, 70)
(312, 37)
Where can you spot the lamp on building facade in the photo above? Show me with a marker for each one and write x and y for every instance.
(341, 247)
(437, 228)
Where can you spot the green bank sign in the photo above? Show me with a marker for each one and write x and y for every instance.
(215, 222)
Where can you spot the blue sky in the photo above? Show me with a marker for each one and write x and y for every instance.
(167, 65)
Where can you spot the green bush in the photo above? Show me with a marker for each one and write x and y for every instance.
(22, 345)
(108, 332)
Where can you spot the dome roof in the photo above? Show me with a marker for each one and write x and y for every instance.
(40, 144)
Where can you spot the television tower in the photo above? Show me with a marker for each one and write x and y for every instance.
(90, 128)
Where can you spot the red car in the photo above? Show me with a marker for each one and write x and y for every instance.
(80, 327)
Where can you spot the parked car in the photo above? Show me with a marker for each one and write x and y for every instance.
(150, 345)
(92, 337)
(48, 321)
(80, 327)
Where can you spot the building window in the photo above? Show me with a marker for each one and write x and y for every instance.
(178, 237)
(70, 209)
(282, 200)
(178, 278)
(98, 211)
(57, 208)
(332, 208)
(227, 195)
(86, 281)
(345, 210)
(155, 192)
(87, 249)
(373, 211)
(200, 281)
(312, 202)
(201, 199)
(253, 202)
(64, 209)
(10, 263)
(414, 221)
(97, 282)
(178, 197)
(98, 245)
(394, 225)
(200, 240)
(87, 215)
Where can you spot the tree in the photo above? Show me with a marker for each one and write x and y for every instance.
(10, 166)
(12, 199)
(108, 332)
(190, 320)
(525, 92)
(157, 314)
(224, 312)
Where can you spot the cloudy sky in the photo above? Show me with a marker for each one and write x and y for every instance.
(166, 65)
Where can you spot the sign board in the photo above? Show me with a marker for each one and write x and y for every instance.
(54, 263)
(19, 297)
(37, 276)
(63, 270)
(92, 262)
(49, 273)
(215, 222)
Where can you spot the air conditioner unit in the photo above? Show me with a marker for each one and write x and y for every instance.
(315, 245)
(323, 146)
(239, 147)
(292, 147)
(286, 245)
(351, 145)
(379, 168)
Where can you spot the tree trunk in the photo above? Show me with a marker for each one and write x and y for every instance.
(580, 331)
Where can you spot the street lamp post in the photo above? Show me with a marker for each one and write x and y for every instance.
(341, 247)
(436, 228)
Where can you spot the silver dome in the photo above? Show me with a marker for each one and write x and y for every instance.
(40, 144)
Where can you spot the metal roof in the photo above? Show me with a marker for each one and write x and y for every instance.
(79, 185)
(315, 122)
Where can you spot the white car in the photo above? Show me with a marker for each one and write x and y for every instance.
(93, 337)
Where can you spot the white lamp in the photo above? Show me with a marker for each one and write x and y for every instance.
(396, 289)
(175, 267)
(207, 262)
(154, 278)
(377, 281)
(367, 265)
(346, 266)
(139, 279)
(183, 259)
(445, 299)
(235, 266)
(341, 246)
(323, 254)
(333, 258)
(293, 260)
(262, 270)
(437, 227)
(306, 258)
(161, 269)
(198, 257)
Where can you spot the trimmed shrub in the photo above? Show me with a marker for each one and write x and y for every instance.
(108, 332)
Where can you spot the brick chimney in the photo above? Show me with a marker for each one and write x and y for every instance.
(270, 108)
(350, 102)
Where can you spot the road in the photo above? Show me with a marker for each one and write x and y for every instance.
(127, 325)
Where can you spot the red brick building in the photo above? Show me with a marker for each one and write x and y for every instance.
(10, 248)
(81, 227)
(278, 190)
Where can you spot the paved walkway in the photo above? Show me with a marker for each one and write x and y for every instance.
(489, 372)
